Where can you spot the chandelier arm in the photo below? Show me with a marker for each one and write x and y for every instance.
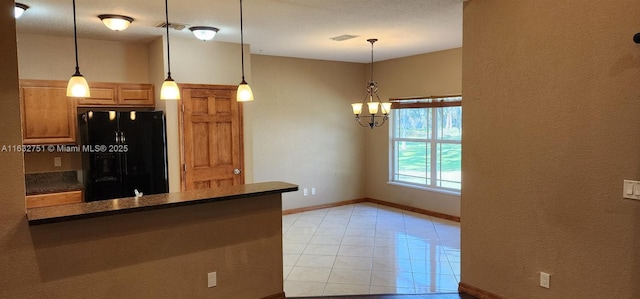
(360, 123)
(383, 120)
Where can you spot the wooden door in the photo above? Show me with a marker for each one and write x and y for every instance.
(211, 127)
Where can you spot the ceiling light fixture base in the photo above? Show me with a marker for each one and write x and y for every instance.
(20, 9)
(204, 33)
(116, 22)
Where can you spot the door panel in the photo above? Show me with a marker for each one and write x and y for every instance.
(211, 127)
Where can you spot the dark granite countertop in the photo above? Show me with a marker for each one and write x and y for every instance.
(52, 182)
(53, 187)
(151, 202)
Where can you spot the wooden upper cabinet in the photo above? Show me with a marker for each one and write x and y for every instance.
(101, 94)
(135, 95)
(119, 94)
(48, 115)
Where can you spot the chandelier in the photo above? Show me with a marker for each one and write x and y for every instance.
(371, 121)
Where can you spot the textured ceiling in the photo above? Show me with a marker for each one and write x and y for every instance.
(292, 28)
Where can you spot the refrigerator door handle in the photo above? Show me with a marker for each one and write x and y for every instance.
(117, 138)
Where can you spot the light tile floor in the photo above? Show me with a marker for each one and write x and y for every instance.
(369, 249)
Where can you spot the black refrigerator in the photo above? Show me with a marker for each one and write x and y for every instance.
(123, 151)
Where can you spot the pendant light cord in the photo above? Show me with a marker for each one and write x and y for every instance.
(241, 41)
(75, 37)
(166, 14)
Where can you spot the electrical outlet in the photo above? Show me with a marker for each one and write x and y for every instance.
(305, 192)
(57, 161)
(545, 279)
(313, 191)
(212, 278)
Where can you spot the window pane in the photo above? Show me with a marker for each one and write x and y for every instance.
(413, 123)
(427, 146)
(412, 162)
(448, 169)
(449, 123)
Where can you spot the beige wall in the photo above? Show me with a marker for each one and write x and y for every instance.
(53, 58)
(551, 105)
(303, 128)
(438, 73)
(44, 162)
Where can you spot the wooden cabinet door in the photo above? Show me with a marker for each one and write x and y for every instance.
(135, 95)
(101, 94)
(48, 116)
(211, 127)
(53, 199)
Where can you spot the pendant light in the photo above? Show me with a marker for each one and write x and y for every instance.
(77, 87)
(372, 101)
(244, 90)
(169, 90)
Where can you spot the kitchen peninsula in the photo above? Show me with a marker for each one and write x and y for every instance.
(151, 202)
(171, 241)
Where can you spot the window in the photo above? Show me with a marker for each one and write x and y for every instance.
(426, 142)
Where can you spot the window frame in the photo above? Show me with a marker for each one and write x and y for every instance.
(431, 143)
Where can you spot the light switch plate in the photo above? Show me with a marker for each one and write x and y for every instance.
(212, 278)
(631, 189)
(57, 161)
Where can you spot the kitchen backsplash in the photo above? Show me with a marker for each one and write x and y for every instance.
(45, 162)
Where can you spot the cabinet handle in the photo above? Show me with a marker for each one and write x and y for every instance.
(117, 138)
(123, 139)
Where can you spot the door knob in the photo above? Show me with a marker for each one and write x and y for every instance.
(237, 171)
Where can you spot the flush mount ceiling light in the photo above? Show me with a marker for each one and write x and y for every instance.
(77, 86)
(372, 90)
(204, 33)
(19, 10)
(244, 93)
(116, 22)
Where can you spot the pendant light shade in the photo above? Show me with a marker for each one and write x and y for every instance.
(169, 89)
(77, 87)
(244, 93)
